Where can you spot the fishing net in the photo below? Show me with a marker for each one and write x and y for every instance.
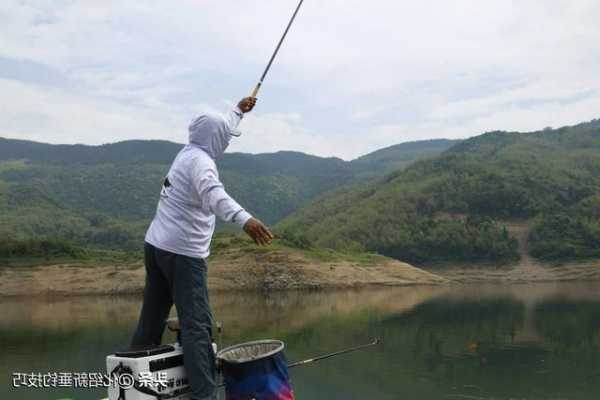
(256, 370)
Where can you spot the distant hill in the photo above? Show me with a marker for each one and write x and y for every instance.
(398, 156)
(127, 152)
(106, 195)
(451, 207)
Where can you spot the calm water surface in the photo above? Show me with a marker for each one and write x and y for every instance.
(522, 342)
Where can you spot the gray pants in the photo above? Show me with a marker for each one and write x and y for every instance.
(180, 280)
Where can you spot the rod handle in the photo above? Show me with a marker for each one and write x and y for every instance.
(256, 89)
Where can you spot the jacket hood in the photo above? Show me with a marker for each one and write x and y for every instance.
(211, 133)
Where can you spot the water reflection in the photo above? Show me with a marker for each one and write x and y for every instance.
(537, 341)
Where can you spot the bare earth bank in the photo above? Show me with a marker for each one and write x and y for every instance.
(273, 270)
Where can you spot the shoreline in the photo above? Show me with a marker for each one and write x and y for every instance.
(523, 273)
(239, 269)
(527, 269)
(234, 270)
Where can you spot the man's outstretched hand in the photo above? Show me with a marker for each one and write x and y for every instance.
(258, 232)
(247, 104)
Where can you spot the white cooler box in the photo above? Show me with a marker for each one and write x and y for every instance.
(147, 367)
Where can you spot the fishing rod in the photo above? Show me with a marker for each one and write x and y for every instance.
(262, 78)
(329, 355)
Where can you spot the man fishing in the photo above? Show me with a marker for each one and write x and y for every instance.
(177, 245)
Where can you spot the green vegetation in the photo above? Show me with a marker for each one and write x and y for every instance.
(104, 197)
(569, 234)
(55, 250)
(432, 207)
(393, 158)
(225, 242)
(40, 247)
(452, 207)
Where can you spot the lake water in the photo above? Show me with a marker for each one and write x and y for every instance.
(521, 342)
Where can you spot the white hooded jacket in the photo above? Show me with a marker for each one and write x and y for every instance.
(192, 194)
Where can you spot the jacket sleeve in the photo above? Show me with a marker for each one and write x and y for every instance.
(232, 120)
(213, 197)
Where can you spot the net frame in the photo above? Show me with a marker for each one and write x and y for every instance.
(250, 351)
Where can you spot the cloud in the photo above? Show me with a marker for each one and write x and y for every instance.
(51, 115)
(352, 76)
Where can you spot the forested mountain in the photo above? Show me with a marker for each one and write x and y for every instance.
(454, 206)
(106, 195)
(399, 156)
(443, 201)
(128, 152)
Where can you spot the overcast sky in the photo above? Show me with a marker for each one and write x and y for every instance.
(353, 76)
